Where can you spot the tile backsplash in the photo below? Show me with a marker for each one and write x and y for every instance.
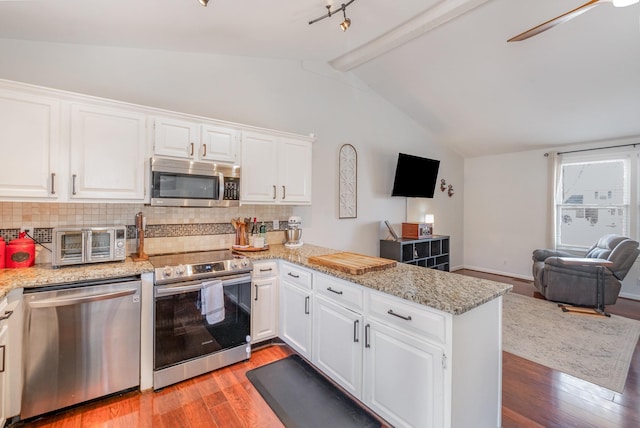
(169, 229)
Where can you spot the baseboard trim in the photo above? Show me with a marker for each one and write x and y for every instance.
(629, 296)
(497, 272)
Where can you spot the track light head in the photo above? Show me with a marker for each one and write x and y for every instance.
(204, 2)
(345, 24)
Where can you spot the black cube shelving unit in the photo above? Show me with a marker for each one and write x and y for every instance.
(430, 252)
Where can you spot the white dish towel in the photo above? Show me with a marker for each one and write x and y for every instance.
(212, 301)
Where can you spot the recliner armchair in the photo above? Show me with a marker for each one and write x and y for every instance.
(578, 285)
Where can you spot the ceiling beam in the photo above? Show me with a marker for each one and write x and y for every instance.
(430, 19)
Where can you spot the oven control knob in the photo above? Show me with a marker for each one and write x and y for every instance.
(234, 265)
(167, 272)
(244, 262)
(180, 270)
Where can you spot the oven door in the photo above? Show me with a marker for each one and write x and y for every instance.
(185, 329)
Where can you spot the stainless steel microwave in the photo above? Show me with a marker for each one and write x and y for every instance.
(183, 183)
(79, 245)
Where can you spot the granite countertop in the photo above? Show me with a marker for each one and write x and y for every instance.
(448, 292)
(43, 274)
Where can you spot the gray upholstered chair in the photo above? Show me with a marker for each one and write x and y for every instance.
(577, 285)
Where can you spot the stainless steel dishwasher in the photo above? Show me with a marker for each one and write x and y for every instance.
(81, 341)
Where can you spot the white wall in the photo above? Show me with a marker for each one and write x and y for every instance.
(507, 214)
(286, 95)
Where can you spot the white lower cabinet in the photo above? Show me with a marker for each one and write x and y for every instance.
(337, 344)
(295, 318)
(264, 302)
(403, 377)
(295, 307)
(412, 365)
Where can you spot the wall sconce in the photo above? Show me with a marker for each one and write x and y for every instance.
(450, 190)
(443, 185)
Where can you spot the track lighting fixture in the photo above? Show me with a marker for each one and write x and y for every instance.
(203, 2)
(344, 25)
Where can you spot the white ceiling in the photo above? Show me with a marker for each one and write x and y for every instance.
(444, 63)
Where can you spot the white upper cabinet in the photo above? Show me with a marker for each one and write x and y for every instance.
(177, 138)
(259, 170)
(107, 153)
(294, 171)
(194, 140)
(275, 169)
(30, 142)
(218, 143)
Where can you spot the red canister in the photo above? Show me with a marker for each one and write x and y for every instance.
(2, 250)
(20, 253)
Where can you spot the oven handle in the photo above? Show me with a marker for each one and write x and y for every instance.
(187, 287)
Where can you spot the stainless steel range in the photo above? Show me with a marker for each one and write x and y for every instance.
(202, 313)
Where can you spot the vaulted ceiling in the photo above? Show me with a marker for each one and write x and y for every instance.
(447, 64)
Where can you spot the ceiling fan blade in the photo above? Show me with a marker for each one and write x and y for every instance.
(557, 20)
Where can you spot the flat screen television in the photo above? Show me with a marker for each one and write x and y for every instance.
(415, 176)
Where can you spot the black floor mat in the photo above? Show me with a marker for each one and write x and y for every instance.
(303, 398)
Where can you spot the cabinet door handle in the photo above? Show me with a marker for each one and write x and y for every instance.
(284, 192)
(266, 270)
(191, 146)
(367, 329)
(204, 150)
(53, 183)
(274, 191)
(6, 315)
(293, 275)
(306, 305)
(356, 339)
(4, 353)
(73, 184)
(334, 291)
(406, 318)
(256, 285)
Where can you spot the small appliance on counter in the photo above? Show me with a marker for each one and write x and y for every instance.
(79, 245)
(294, 232)
(20, 253)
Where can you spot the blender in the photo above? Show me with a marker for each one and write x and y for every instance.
(294, 232)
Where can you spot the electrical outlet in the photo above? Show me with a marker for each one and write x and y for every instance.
(276, 224)
(28, 229)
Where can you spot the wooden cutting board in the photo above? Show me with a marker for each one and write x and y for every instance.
(353, 263)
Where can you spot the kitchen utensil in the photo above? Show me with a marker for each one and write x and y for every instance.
(353, 263)
(141, 225)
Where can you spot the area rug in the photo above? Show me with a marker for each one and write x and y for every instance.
(302, 397)
(593, 348)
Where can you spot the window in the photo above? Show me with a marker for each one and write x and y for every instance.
(595, 196)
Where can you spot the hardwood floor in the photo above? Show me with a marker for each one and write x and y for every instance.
(533, 395)
(537, 396)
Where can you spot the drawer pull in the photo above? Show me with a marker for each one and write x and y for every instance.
(334, 291)
(367, 344)
(293, 275)
(406, 318)
(266, 270)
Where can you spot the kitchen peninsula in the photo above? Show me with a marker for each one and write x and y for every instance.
(418, 346)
